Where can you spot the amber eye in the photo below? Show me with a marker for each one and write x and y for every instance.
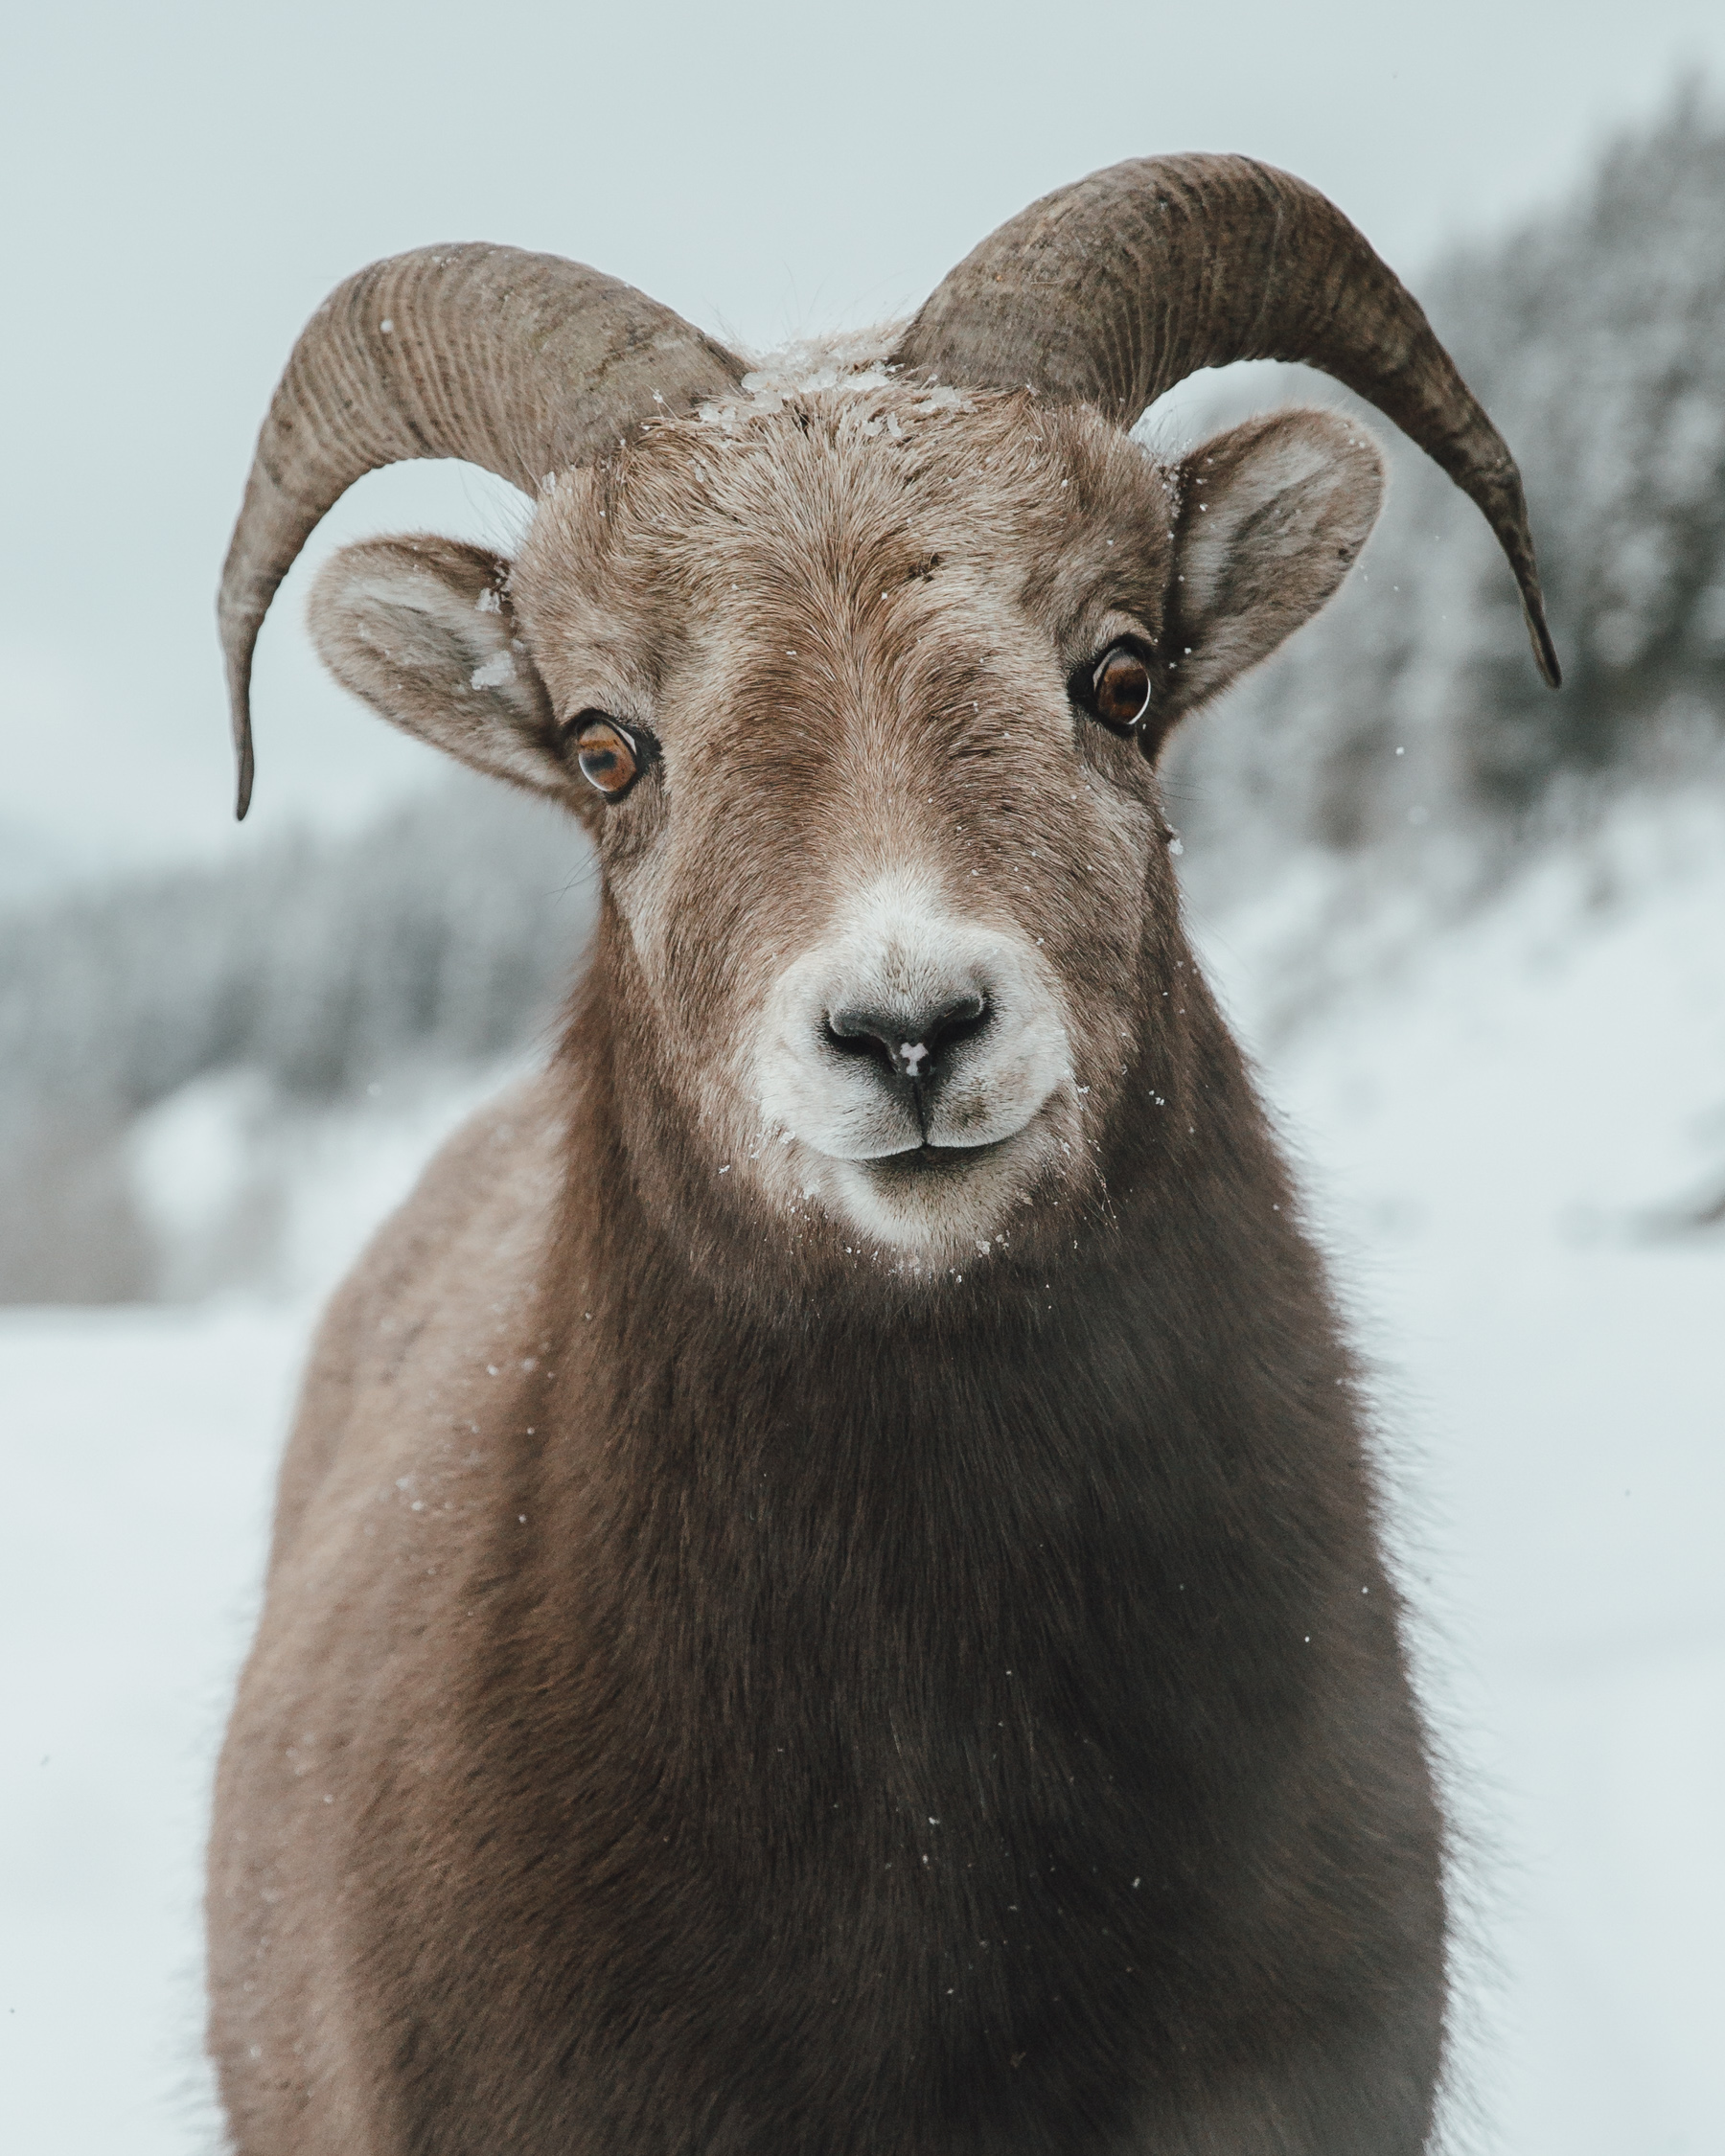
(611, 758)
(1120, 687)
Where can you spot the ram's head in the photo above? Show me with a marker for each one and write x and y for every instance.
(858, 670)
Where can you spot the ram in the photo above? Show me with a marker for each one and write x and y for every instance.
(826, 1593)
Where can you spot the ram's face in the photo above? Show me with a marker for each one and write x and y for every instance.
(860, 695)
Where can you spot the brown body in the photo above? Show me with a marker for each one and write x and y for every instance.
(825, 1593)
(970, 1727)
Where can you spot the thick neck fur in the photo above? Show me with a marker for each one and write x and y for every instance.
(941, 1643)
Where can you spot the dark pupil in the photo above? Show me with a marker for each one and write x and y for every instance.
(1122, 688)
(605, 758)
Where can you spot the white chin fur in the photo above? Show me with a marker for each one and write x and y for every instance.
(925, 1208)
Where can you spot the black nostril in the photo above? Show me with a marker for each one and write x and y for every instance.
(965, 1016)
(910, 1045)
(851, 1035)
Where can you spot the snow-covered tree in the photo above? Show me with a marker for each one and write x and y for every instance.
(444, 935)
(1595, 337)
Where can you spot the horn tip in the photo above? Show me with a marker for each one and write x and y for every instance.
(1545, 652)
(238, 636)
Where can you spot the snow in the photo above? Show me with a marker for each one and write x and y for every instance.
(139, 1453)
(239, 1185)
(496, 674)
(1499, 1125)
(1503, 1123)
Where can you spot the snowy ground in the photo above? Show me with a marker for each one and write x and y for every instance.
(1502, 1133)
(1504, 1129)
(138, 1455)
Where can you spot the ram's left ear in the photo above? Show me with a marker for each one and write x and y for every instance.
(423, 630)
(1272, 517)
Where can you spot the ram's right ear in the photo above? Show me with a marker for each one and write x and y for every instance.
(1272, 515)
(422, 629)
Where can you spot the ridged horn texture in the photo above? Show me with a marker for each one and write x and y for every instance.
(1111, 291)
(523, 363)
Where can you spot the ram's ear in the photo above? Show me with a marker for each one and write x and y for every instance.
(422, 629)
(1272, 517)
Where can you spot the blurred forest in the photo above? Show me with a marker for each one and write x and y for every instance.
(1596, 338)
(443, 939)
(446, 937)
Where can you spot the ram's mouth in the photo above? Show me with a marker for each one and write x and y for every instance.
(928, 1163)
(927, 1199)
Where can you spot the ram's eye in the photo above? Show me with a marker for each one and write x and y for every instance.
(1119, 687)
(612, 757)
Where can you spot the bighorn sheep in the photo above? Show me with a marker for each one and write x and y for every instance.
(826, 1595)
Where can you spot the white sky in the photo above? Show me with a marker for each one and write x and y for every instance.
(183, 183)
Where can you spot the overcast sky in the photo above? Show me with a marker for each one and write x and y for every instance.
(183, 183)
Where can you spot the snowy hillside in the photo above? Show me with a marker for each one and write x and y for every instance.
(1514, 1136)
(1596, 338)
(164, 1032)
(1513, 1130)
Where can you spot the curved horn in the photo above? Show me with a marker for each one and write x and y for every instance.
(523, 363)
(1112, 290)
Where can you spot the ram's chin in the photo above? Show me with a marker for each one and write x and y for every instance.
(935, 1200)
